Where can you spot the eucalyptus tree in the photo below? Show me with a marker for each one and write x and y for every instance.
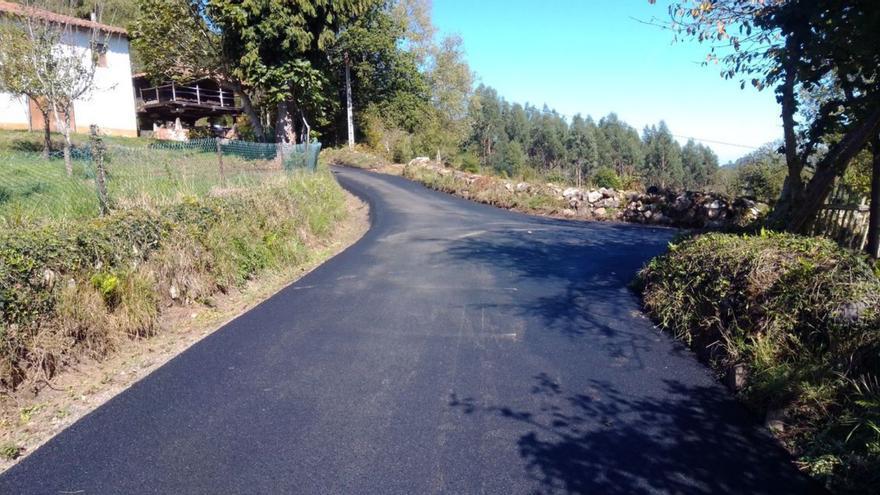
(662, 164)
(581, 146)
(619, 145)
(699, 163)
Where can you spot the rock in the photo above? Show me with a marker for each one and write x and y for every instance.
(774, 420)
(611, 203)
(173, 292)
(568, 212)
(508, 186)
(599, 212)
(606, 192)
(523, 187)
(851, 313)
(647, 213)
(420, 161)
(571, 192)
(714, 205)
(682, 203)
(49, 278)
(712, 213)
(594, 196)
(736, 377)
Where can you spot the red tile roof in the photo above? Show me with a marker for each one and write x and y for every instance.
(33, 12)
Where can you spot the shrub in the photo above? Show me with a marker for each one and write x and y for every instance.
(468, 162)
(606, 177)
(802, 316)
(78, 287)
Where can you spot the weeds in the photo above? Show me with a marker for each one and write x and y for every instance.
(803, 316)
(76, 288)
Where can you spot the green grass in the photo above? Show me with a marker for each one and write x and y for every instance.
(72, 282)
(34, 189)
(802, 316)
(360, 157)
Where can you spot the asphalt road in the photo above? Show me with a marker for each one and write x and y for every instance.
(456, 348)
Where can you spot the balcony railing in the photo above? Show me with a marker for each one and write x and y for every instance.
(191, 95)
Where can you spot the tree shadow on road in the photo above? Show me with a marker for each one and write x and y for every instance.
(573, 280)
(685, 439)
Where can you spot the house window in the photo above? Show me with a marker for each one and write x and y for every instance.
(101, 54)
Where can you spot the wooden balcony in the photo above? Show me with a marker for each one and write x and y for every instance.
(178, 99)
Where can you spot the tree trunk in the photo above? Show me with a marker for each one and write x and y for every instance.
(64, 125)
(348, 106)
(789, 108)
(47, 134)
(283, 129)
(248, 107)
(874, 218)
(831, 166)
(284, 132)
(793, 187)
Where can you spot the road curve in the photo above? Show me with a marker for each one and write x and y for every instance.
(456, 348)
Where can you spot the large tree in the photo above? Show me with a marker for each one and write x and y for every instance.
(281, 49)
(800, 48)
(178, 41)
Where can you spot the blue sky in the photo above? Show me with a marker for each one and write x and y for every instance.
(593, 57)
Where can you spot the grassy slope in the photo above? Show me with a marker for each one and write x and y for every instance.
(33, 189)
(74, 286)
(798, 320)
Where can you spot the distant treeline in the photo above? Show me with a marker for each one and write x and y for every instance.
(511, 138)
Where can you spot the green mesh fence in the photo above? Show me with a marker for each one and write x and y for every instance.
(36, 189)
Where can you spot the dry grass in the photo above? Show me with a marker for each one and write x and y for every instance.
(801, 317)
(111, 361)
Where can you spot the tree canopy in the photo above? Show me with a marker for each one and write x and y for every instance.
(801, 49)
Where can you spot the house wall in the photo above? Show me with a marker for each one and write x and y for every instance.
(13, 112)
(111, 105)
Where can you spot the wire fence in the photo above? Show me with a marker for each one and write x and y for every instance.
(34, 188)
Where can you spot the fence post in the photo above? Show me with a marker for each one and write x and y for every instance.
(98, 150)
(220, 162)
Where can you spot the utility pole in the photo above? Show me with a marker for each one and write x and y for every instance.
(348, 105)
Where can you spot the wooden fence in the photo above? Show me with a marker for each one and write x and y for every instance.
(844, 218)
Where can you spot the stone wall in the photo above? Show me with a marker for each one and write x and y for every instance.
(657, 207)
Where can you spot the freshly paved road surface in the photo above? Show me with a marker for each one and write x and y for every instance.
(456, 348)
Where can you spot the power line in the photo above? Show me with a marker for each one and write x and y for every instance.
(716, 142)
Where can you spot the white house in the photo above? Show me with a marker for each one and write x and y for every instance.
(110, 106)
